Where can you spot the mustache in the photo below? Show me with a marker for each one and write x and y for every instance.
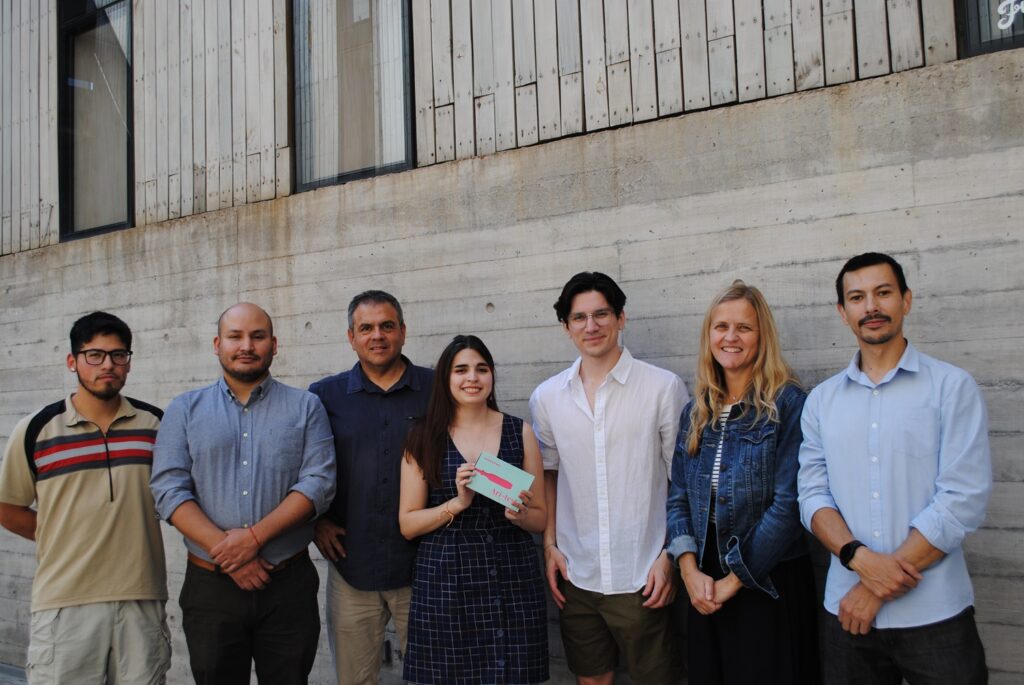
(874, 317)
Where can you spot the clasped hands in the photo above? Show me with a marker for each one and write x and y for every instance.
(236, 554)
(883, 577)
(707, 595)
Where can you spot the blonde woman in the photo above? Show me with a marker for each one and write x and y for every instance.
(733, 522)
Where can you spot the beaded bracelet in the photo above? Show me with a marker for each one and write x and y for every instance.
(255, 537)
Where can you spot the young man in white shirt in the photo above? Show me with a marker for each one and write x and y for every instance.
(607, 428)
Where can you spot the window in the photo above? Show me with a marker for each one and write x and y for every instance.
(353, 115)
(94, 95)
(989, 25)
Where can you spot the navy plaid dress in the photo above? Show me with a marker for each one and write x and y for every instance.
(478, 609)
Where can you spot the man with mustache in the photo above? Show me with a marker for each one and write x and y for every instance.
(242, 468)
(894, 472)
(99, 591)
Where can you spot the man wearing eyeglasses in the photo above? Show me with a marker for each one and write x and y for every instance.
(607, 429)
(100, 587)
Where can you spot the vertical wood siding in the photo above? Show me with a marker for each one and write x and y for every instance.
(28, 125)
(493, 74)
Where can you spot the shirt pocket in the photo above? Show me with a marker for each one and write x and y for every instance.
(918, 434)
(756, 458)
(283, 449)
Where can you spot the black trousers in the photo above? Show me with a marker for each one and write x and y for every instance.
(755, 639)
(226, 628)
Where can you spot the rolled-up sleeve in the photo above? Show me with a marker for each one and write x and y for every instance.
(317, 474)
(964, 481)
(171, 479)
(812, 478)
(679, 531)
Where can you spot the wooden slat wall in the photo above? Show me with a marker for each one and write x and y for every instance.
(573, 66)
(28, 125)
(211, 105)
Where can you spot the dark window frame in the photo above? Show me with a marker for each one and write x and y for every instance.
(74, 18)
(409, 114)
(968, 45)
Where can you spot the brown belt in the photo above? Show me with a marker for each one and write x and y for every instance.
(215, 568)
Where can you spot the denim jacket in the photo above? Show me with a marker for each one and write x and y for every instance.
(758, 520)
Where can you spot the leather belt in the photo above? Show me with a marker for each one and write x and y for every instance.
(215, 568)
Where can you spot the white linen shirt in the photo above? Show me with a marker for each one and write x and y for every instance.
(614, 464)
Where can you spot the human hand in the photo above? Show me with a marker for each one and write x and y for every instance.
(523, 506)
(462, 477)
(554, 563)
(700, 587)
(883, 574)
(726, 588)
(253, 575)
(857, 610)
(660, 589)
(327, 535)
(236, 548)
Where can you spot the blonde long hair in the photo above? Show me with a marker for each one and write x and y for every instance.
(770, 373)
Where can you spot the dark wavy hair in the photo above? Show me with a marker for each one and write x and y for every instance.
(584, 282)
(99, 323)
(428, 437)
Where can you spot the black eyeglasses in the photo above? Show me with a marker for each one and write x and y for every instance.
(96, 357)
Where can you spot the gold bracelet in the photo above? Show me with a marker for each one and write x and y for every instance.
(451, 516)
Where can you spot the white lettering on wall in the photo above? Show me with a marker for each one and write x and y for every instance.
(1009, 8)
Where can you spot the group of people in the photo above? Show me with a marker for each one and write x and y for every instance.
(637, 490)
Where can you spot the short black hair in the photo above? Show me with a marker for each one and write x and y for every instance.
(870, 259)
(374, 297)
(584, 282)
(99, 323)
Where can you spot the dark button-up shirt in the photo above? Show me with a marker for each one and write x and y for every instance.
(238, 462)
(370, 425)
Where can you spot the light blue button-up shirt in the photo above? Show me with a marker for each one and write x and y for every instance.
(909, 452)
(238, 462)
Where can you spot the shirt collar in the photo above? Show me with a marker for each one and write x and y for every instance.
(74, 418)
(358, 381)
(257, 394)
(619, 372)
(909, 361)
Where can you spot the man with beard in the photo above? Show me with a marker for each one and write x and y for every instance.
(99, 590)
(894, 473)
(242, 468)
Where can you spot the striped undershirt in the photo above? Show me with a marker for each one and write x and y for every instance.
(723, 417)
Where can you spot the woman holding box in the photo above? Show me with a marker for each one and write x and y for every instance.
(733, 521)
(478, 609)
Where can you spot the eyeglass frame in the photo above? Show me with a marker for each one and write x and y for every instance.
(106, 353)
(579, 320)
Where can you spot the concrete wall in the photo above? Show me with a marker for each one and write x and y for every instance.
(927, 165)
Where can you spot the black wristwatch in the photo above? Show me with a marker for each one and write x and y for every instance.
(847, 551)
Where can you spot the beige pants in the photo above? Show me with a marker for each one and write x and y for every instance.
(356, 620)
(120, 643)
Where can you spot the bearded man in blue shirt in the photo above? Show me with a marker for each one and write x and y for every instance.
(242, 468)
(894, 473)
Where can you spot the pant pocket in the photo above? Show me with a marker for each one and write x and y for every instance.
(43, 632)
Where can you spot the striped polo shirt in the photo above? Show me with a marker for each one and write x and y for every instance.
(98, 538)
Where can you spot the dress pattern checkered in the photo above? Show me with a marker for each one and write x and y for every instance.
(478, 609)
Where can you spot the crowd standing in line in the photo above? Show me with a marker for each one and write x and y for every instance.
(887, 464)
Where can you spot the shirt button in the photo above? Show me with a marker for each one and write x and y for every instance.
(874, 460)
(721, 500)
(874, 495)
(874, 425)
(497, 602)
(874, 392)
(246, 409)
(494, 572)
(501, 662)
(499, 633)
(877, 534)
(245, 435)
(245, 463)
(245, 492)
(489, 539)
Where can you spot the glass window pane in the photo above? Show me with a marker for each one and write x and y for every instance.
(351, 90)
(992, 25)
(97, 89)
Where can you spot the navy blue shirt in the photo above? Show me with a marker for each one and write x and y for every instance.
(370, 425)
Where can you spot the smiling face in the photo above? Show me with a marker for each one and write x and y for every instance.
(734, 337)
(245, 343)
(471, 380)
(104, 380)
(872, 306)
(376, 336)
(593, 326)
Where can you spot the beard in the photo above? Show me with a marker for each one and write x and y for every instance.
(105, 391)
(250, 375)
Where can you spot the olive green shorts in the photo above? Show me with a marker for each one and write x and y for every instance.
(601, 631)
